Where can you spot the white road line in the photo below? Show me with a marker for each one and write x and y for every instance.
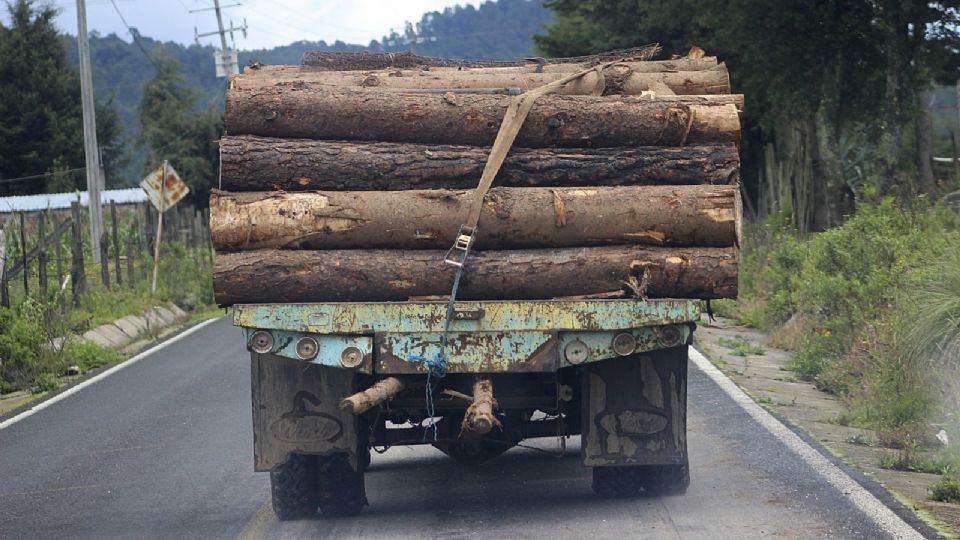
(885, 518)
(92, 380)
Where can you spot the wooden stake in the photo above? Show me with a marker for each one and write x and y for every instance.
(78, 278)
(42, 253)
(4, 289)
(116, 242)
(479, 417)
(156, 249)
(23, 253)
(380, 392)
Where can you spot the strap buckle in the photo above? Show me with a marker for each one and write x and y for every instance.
(461, 245)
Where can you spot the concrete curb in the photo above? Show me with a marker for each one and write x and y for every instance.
(132, 328)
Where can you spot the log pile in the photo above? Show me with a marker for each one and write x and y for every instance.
(347, 179)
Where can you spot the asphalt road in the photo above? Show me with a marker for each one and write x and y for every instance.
(162, 449)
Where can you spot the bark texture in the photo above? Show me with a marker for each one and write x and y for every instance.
(266, 276)
(374, 60)
(511, 218)
(479, 418)
(616, 79)
(380, 392)
(306, 110)
(250, 163)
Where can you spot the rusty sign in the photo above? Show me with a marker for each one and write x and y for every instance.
(164, 187)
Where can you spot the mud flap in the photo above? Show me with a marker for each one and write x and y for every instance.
(635, 410)
(295, 410)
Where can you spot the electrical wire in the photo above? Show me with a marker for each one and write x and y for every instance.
(34, 176)
(136, 37)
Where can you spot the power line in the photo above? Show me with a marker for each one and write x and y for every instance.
(35, 176)
(136, 37)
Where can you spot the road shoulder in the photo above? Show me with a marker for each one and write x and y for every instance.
(761, 371)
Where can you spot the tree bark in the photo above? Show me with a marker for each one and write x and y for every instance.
(616, 79)
(306, 110)
(511, 218)
(479, 418)
(373, 60)
(251, 163)
(924, 135)
(284, 276)
(378, 393)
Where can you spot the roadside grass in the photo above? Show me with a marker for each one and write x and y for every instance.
(39, 335)
(871, 310)
(740, 346)
(946, 489)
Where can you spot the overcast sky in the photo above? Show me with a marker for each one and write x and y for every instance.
(270, 22)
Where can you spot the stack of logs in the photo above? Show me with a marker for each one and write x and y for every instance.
(341, 185)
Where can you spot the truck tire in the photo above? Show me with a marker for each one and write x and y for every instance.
(293, 488)
(341, 489)
(616, 482)
(665, 479)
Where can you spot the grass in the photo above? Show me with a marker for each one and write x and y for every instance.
(739, 346)
(33, 358)
(946, 489)
(871, 310)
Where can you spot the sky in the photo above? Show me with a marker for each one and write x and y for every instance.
(270, 22)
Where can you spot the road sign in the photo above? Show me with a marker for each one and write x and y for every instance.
(164, 187)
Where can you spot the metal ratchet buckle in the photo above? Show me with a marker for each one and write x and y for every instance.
(462, 244)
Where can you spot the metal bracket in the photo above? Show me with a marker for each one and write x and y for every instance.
(462, 244)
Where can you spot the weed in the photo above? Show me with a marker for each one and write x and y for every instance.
(741, 347)
(946, 489)
(860, 440)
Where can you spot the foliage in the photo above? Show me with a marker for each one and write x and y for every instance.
(88, 355)
(874, 306)
(41, 121)
(740, 346)
(172, 132)
(831, 87)
(946, 489)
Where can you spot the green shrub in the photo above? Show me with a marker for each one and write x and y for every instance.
(20, 344)
(946, 489)
(88, 355)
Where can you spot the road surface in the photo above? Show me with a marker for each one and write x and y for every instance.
(162, 449)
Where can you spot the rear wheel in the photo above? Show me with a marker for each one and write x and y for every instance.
(293, 488)
(341, 488)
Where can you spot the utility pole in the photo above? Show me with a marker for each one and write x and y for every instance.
(90, 148)
(225, 58)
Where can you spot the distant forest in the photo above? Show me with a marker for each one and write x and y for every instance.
(494, 30)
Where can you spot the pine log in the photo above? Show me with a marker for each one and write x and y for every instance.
(309, 111)
(479, 418)
(380, 392)
(375, 60)
(616, 79)
(284, 276)
(250, 163)
(511, 218)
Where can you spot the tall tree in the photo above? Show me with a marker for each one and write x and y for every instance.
(826, 81)
(173, 129)
(41, 122)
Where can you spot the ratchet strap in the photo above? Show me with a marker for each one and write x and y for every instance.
(513, 120)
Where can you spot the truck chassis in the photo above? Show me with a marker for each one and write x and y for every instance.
(612, 371)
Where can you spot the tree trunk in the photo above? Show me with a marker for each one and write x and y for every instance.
(924, 133)
(284, 276)
(616, 79)
(479, 418)
(380, 392)
(363, 61)
(312, 111)
(511, 218)
(251, 163)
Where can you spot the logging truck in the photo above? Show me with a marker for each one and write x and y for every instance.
(576, 279)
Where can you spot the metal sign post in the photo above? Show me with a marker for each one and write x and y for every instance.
(164, 188)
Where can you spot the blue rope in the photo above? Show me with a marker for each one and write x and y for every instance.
(437, 366)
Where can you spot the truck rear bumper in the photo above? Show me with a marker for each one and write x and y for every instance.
(485, 337)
